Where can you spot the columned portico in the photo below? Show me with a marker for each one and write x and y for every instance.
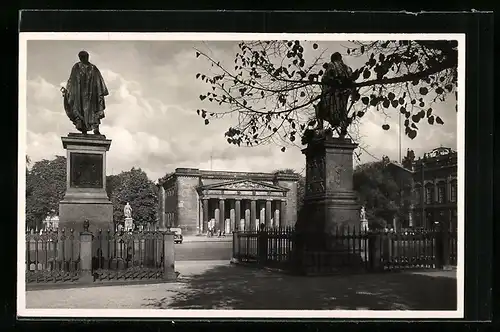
(241, 205)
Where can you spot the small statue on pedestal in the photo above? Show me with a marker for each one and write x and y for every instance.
(127, 211)
(364, 221)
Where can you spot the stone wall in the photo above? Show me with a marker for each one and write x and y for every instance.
(291, 201)
(170, 202)
(187, 204)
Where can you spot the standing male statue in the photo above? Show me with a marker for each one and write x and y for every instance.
(362, 214)
(336, 90)
(84, 95)
(127, 211)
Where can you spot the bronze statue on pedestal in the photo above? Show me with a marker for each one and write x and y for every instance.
(336, 90)
(84, 95)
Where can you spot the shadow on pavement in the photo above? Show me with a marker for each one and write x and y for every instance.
(239, 287)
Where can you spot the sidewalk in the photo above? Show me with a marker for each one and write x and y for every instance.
(204, 238)
(220, 285)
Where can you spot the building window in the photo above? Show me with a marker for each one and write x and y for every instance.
(441, 192)
(429, 194)
(416, 194)
(453, 191)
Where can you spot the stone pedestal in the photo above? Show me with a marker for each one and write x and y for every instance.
(364, 225)
(86, 196)
(129, 224)
(330, 203)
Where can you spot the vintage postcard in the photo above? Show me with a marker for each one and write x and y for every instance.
(210, 175)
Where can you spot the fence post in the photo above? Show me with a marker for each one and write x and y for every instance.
(169, 257)
(375, 252)
(236, 248)
(262, 246)
(86, 238)
(443, 246)
(439, 248)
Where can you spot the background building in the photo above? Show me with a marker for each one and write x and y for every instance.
(190, 198)
(432, 180)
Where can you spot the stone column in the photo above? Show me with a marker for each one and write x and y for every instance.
(86, 257)
(283, 220)
(277, 213)
(262, 213)
(169, 257)
(253, 214)
(222, 218)
(268, 213)
(247, 215)
(200, 217)
(205, 214)
(216, 216)
(237, 214)
(232, 215)
(448, 190)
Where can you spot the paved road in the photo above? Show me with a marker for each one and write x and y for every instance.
(204, 251)
(220, 285)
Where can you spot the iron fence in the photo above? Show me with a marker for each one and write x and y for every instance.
(135, 255)
(52, 256)
(351, 248)
(62, 256)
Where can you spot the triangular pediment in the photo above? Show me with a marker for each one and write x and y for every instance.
(244, 185)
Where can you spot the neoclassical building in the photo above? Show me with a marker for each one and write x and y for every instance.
(189, 198)
(433, 182)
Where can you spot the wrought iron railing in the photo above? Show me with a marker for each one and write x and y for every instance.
(351, 247)
(52, 256)
(65, 256)
(128, 255)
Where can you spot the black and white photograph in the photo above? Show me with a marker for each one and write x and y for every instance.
(219, 175)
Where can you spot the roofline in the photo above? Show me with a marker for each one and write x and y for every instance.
(401, 167)
(221, 184)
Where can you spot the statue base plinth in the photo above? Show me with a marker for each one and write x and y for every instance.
(86, 197)
(129, 224)
(330, 203)
(330, 208)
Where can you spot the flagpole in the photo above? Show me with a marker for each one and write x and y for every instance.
(400, 161)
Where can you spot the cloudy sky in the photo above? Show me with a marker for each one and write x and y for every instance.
(151, 110)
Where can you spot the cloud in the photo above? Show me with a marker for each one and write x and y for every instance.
(151, 110)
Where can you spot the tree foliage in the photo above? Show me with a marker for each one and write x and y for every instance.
(45, 188)
(135, 188)
(382, 194)
(273, 86)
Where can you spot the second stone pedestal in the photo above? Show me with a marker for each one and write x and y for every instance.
(129, 224)
(330, 207)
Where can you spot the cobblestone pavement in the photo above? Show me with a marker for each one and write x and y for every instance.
(219, 285)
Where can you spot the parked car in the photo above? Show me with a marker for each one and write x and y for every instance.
(177, 235)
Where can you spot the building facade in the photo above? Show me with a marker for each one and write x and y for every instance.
(190, 198)
(433, 182)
